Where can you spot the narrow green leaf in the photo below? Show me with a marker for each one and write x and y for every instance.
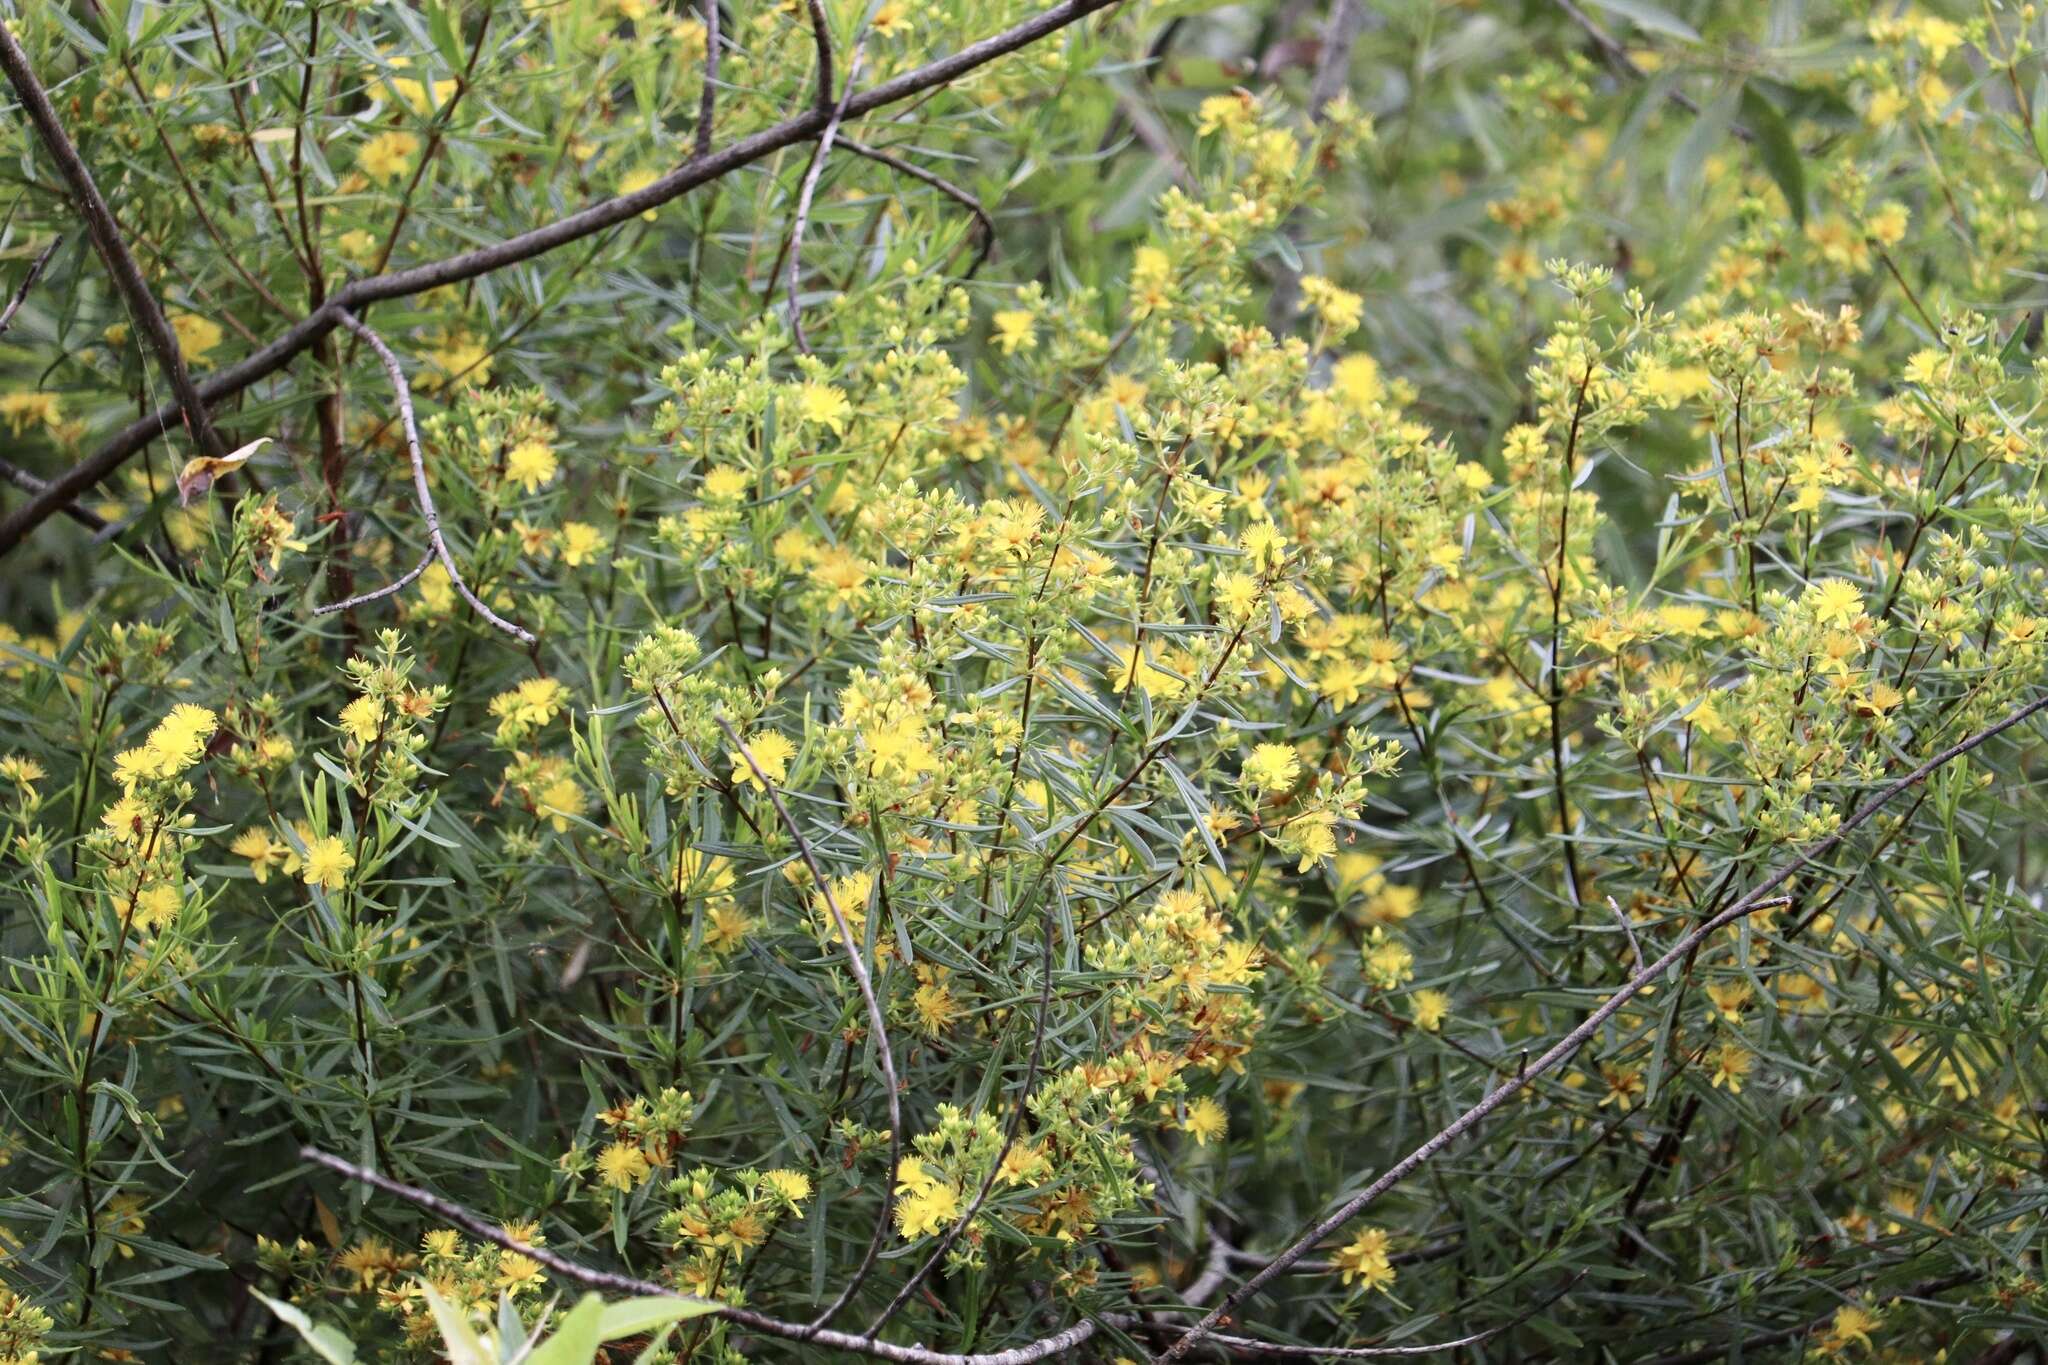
(1775, 145)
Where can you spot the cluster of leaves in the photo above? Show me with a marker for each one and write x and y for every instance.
(1038, 774)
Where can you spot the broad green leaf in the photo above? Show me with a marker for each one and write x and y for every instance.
(326, 1342)
(630, 1317)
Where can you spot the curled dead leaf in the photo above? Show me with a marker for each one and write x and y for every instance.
(198, 474)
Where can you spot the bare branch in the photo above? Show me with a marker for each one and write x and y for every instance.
(698, 170)
(170, 150)
(576, 1272)
(884, 1051)
(106, 237)
(1333, 61)
(821, 33)
(1756, 898)
(944, 186)
(1629, 930)
(804, 196)
(428, 511)
(29, 483)
(396, 585)
(28, 282)
(707, 103)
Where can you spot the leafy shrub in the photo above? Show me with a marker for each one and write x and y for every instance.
(1208, 679)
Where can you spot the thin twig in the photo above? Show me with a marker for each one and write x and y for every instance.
(884, 1050)
(29, 483)
(1558, 1052)
(28, 282)
(698, 170)
(396, 585)
(982, 220)
(1333, 60)
(822, 150)
(428, 512)
(106, 237)
(1628, 929)
(821, 34)
(1778, 1336)
(1043, 1348)
(192, 196)
(707, 103)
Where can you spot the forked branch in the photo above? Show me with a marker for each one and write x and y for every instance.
(429, 513)
(1755, 899)
(107, 240)
(700, 169)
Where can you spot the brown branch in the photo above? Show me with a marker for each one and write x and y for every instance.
(707, 103)
(428, 512)
(982, 220)
(1043, 1348)
(29, 483)
(698, 170)
(804, 196)
(1756, 898)
(821, 34)
(170, 150)
(106, 237)
(28, 282)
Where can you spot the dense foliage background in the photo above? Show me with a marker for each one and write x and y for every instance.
(1018, 674)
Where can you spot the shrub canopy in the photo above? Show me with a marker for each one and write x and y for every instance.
(942, 674)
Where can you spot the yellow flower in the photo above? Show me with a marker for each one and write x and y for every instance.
(1340, 310)
(1272, 768)
(363, 719)
(640, 180)
(1365, 1258)
(1356, 379)
(698, 875)
(1888, 224)
(724, 483)
(771, 752)
(327, 863)
(793, 1186)
(1016, 330)
(1732, 1062)
(1835, 602)
(517, 1272)
(23, 410)
(582, 543)
(387, 156)
(622, 1165)
(1206, 1121)
(931, 1208)
(935, 1006)
(822, 405)
(531, 464)
(157, 905)
(559, 800)
(1428, 1009)
(196, 335)
(1852, 1326)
